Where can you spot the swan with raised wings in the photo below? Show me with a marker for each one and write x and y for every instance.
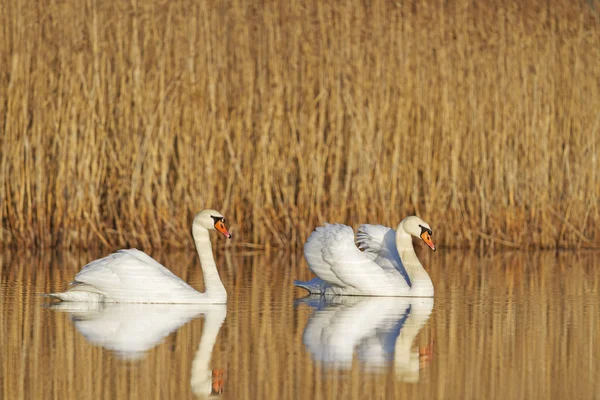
(132, 276)
(386, 266)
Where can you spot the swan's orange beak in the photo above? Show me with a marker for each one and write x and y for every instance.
(427, 239)
(220, 226)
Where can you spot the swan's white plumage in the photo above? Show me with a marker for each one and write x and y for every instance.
(129, 276)
(383, 267)
(370, 238)
(379, 242)
(132, 276)
(352, 266)
(379, 330)
(313, 251)
(131, 330)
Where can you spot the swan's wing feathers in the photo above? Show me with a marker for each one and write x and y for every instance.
(379, 243)
(332, 255)
(348, 263)
(336, 239)
(129, 272)
(99, 271)
(314, 256)
(370, 238)
(158, 267)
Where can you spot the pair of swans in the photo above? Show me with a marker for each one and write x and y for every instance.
(386, 266)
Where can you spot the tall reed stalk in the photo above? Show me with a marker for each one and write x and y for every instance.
(120, 120)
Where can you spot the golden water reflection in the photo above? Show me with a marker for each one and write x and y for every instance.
(508, 325)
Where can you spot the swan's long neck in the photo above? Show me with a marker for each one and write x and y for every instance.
(201, 373)
(212, 282)
(406, 361)
(420, 283)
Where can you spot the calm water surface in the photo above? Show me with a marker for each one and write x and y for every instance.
(506, 326)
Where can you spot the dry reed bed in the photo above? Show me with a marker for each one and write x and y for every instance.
(120, 120)
(513, 330)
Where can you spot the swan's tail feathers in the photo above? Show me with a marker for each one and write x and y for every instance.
(314, 286)
(313, 252)
(79, 293)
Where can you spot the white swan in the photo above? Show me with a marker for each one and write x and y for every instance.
(387, 266)
(379, 330)
(131, 330)
(132, 276)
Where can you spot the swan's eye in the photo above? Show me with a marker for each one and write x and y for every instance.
(424, 229)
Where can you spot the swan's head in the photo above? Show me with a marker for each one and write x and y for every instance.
(415, 226)
(212, 219)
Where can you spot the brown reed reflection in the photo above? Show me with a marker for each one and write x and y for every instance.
(507, 325)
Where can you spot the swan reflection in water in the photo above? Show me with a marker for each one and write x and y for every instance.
(380, 329)
(130, 330)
